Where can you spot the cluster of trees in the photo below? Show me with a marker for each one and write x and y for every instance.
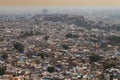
(114, 40)
(4, 56)
(23, 35)
(94, 58)
(2, 70)
(70, 35)
(108, 65)
(46, 37)
(51, 69)
(29, 55)
(43, 54)
(18, 46)
(31, 33)
(65, 46)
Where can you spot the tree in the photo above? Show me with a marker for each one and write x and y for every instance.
(4, 56)
(70, 35)
(46, 37)
(94, 58)
(50, 69)
(65, 46)
(114, 40)
(108, 65)
(29, 55)
(42, 54)
(37, 61)
(18, 46)
(2, 70)
(25, 34)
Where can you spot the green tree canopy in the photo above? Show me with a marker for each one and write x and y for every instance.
(94, 58)
(18, 46)
(4, 56)
(42, 55)
(108, 65)
(51, 69)
(46, 37)
(2, 70)
(114, 40)
(65, 46)
(70, 35)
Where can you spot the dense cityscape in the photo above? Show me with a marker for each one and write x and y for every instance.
(56, 46)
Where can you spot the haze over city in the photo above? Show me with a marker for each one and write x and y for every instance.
(60, 2)
(59, 39)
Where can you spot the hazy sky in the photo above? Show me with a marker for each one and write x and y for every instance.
(114, 3)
